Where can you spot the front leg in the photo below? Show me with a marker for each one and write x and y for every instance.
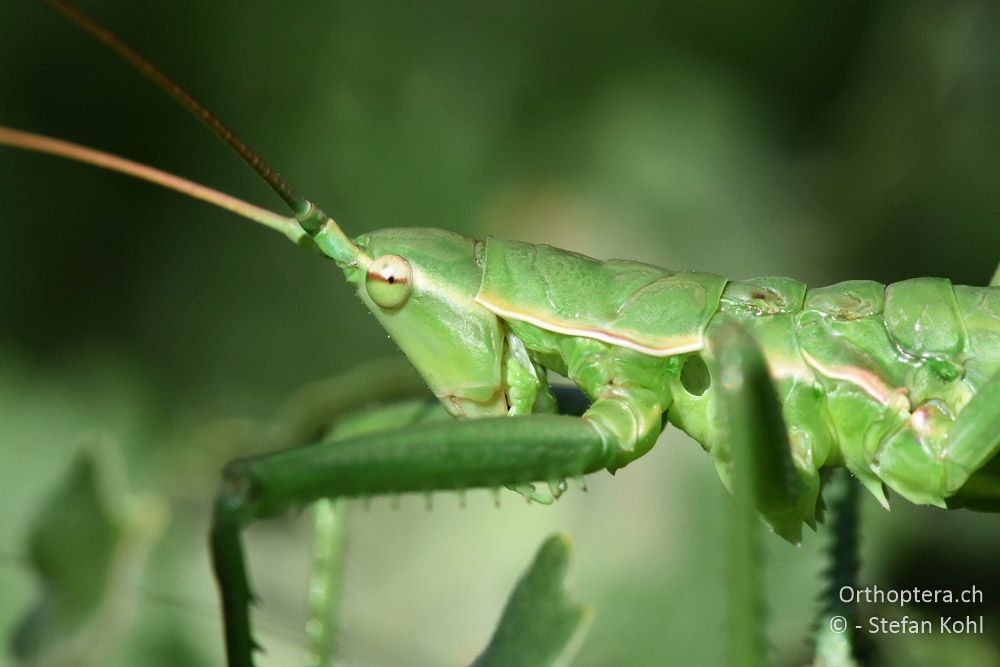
(427, 457)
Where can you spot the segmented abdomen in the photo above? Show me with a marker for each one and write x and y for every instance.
(873, 376)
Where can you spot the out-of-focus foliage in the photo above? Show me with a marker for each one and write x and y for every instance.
(540, 625)
(762, 477)
(823, 140)
(89, 544)
(835, 647)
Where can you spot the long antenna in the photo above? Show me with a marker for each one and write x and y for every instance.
(330, 238)
(42, 144)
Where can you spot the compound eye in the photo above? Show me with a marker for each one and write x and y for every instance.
(389, 281)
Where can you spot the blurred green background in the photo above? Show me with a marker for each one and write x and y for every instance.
(823, 140)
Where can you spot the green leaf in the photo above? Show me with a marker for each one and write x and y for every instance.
(540, 624)
(761, 463)
(756, 431)
(87, 547)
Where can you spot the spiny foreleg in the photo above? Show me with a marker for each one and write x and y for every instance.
(446, 455)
